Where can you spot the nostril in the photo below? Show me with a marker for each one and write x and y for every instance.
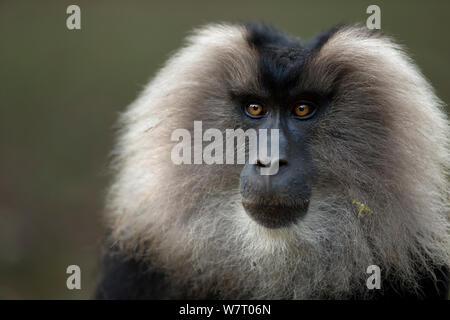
(282, 162)
(263, 163)
(267, 162)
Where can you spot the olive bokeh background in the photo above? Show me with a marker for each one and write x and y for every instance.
(61, 92)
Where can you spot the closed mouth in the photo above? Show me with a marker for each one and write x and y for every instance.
(275, 214)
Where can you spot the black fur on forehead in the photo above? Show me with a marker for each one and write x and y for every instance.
(281, 56)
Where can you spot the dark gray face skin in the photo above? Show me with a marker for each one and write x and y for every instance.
(279, 200)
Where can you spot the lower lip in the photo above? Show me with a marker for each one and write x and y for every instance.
(273, 216)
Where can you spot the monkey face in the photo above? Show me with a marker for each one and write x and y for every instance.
(280, 199)
(279, 102)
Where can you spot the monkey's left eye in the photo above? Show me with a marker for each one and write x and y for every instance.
(304, 111)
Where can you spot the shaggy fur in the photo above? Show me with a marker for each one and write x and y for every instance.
(383, 142)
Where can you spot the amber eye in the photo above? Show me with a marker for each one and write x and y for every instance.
(255, 110)
(304, 110)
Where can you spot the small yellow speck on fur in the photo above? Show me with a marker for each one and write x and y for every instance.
(362, 207)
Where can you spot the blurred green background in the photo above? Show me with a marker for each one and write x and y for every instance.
(61, 92)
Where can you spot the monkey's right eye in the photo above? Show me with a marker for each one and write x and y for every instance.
(255, 110)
